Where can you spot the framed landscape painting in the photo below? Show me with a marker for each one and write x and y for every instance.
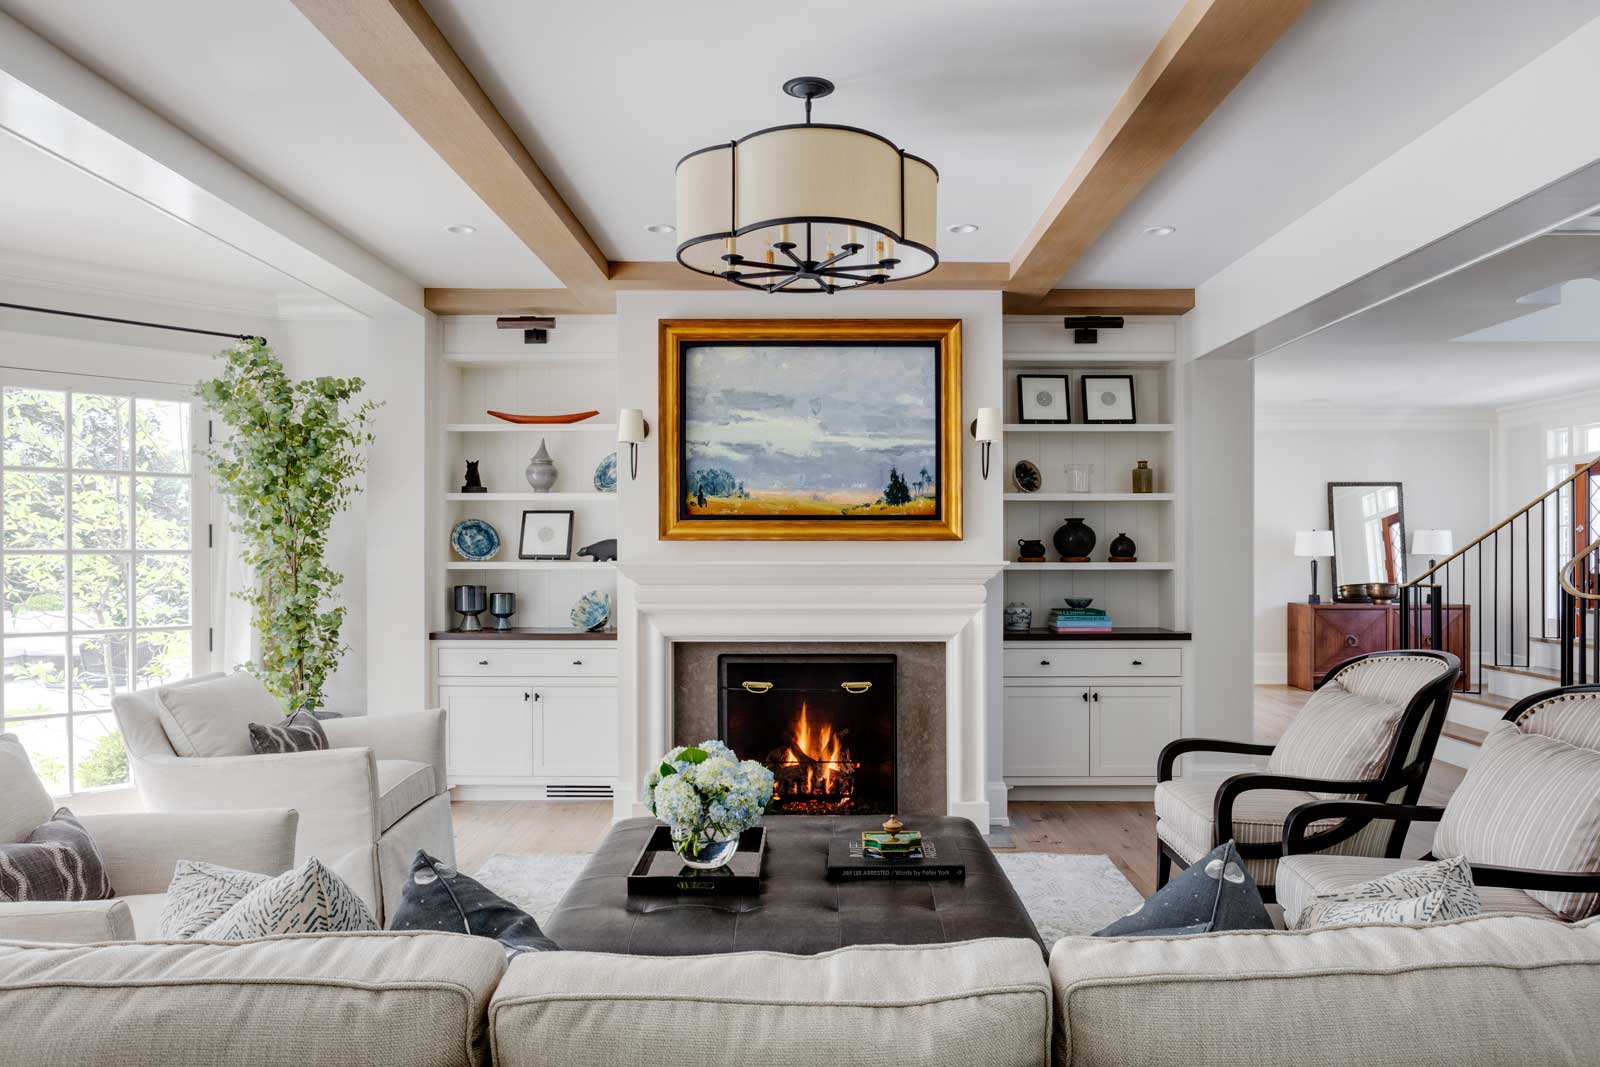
(811, 429)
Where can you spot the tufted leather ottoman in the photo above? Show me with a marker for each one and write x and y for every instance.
(798, 910)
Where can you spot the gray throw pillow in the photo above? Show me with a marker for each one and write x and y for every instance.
(438, 897)
(58, 861)
(1212, 894)
(300, 732)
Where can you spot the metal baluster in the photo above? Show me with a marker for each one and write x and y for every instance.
(1497, 596)
(1527, 590)
(1544, 573)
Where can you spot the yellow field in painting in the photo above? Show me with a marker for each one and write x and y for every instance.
(787, 504)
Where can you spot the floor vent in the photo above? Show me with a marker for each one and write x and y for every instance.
(577, 792)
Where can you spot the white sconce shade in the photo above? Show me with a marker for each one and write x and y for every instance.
(986, 427)
(631, 431)
(1432, 543)
(1313, 543)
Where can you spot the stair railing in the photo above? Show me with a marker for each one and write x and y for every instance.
(1580, 612)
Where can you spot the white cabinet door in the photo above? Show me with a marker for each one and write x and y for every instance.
(1128, 726)
(1046, 732)
(490, 729)
(576, 731)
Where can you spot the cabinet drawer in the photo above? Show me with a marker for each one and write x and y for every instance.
(1056, 662)
(526, 663)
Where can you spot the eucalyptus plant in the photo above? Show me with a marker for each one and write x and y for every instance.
(287, 466)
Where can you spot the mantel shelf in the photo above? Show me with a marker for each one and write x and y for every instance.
(1100, 566)
(1085, 498)
(553, 498)
(529, 565)
(1047, 427)
(543, 427)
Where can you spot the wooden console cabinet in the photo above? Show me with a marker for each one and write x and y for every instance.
(1322, 636)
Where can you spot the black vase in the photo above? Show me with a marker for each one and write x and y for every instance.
(1074, 539)
(1030, 548)
(1122, 547)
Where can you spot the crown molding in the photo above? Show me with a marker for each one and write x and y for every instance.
(1530, 410)
(1394, 419)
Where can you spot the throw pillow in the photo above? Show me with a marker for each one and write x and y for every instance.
(202, 893)
(1529, 801)
(1212, 894)
(307, 900)
(212, 718)
(300, 732)
(58, 861)
(24, 801)
(438, 897)
(1430, 893)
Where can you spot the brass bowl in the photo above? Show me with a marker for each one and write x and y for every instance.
(1351, 593)
(1382, 592)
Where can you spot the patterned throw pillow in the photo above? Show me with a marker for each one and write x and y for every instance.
(202, 893)
(1212, 894)
(1430, 893)
(58, 861)
(438, 897)
(307, 900)
(300, 732)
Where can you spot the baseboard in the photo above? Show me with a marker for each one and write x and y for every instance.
(1272, 668)
(1143, 793)
(998, 816)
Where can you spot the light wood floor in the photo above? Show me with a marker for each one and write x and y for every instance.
(1124, 831)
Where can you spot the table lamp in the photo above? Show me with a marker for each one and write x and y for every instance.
(1313, 544)
(1433, 544)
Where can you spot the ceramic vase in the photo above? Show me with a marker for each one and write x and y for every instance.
(541, 470)
(1074, 540)
(1122, 547)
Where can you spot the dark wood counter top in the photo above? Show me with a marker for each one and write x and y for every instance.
(524, 633)
(1118, 633)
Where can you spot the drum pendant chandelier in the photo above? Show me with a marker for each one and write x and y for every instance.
(808, 207)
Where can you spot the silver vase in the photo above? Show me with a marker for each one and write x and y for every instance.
(541, 470)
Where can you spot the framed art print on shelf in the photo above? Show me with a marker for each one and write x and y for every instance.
(811, 430)
(1043, 398)
(1108, 398)
(545, 535)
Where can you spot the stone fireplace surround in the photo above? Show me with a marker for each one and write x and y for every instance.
(810, 606)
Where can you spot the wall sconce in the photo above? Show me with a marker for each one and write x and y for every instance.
(631, 431)
(985, 429)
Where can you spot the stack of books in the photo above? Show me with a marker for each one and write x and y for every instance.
(1080, 621)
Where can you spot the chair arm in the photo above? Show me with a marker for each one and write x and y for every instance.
(1232, 788)
(140, 849)
(1527, 878)
(76, 922)
(1301, 819)
(1173, 749)
(416, 735)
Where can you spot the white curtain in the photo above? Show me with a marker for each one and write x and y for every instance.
(234, 637)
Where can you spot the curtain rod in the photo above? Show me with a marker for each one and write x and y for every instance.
(135, 322)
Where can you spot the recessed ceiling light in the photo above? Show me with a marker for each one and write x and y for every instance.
(1161, 231)
(661, 227)
(965, 227)
(461, 230)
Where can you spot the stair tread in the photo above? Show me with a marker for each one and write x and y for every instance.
(1462, 732)
(1490, 700)
(1556, 641)
(1526, 672)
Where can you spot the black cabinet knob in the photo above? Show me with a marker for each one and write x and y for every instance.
(1085, 695)
(1138, 663)
(1097, 698)
(483, 663)
(1044, 663)
(577, 663)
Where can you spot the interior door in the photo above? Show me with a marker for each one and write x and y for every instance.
(1046, 732)
(1129, 725)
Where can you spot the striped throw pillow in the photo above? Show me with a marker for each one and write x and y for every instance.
(58, 861)
(300, 732)
(1529, 801)
(202, 893)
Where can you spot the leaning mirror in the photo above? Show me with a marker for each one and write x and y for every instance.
(1368, 521)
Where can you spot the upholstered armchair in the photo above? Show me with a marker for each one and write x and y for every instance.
(1526, 818)
(366, 803)
(1368, 732)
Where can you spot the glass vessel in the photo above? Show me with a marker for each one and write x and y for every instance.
(1144, 479)
(703, 849)
(1080, 477)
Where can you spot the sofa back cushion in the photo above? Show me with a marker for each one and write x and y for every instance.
(24, 801)
(1490, 990)
(970, 1002)
(212, 718)
(348, 1000)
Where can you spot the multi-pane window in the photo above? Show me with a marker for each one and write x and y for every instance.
(99, 563)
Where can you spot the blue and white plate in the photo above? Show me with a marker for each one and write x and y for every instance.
(605, 475)
(475, 540)
(592, 610)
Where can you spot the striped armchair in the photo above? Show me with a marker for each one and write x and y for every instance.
(1368, 732)
(1526, 817)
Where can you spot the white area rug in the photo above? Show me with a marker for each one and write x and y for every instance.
(1064, 894)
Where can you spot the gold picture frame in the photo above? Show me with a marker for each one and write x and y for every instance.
(856, 522)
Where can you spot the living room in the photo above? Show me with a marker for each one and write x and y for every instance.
(459, 595)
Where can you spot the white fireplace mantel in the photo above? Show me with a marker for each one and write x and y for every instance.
(663, 601)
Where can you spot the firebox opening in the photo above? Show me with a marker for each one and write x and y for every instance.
(823, 724)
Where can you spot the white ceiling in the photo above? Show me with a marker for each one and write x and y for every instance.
(1352, 82)
(1406, 354)
(52, 211)
(257, 82)
(1001, 98)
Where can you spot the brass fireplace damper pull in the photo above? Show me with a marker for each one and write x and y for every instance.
(756, 687)
(855, 687)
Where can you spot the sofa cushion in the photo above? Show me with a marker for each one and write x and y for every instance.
(1529, 801)
(144, 909)
(58, 861)
(402, 785)
(213, 718)
(1422, 893)
(309, 899)
(77, 922)
(351, 1000)
(1302, 878)
(439, 897)
(973, 1002)
(1214, 893)
(24, 801)
(200, 894)
(300, 732)
(1491, 990)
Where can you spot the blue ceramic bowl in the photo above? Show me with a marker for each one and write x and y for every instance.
(475, 540)
(605, 475)
(592, 610)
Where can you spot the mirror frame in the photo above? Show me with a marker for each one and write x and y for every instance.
(1400, 503)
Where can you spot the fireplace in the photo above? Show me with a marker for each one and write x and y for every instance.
(823, 724)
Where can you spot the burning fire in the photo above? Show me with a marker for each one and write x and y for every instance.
(826, 768)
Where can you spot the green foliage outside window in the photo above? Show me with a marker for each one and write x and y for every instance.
(288, 466)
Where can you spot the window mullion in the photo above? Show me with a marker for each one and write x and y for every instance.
(70, 672)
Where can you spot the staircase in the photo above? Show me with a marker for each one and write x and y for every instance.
(1532, 586)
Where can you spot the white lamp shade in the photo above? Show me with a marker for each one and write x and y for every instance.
(1313, 543)
(1432, 543)
(988, 425)
(630, 426)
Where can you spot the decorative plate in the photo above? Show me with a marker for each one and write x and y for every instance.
(605, 475)
(1027, 477)
(475, 540)
(592, 610)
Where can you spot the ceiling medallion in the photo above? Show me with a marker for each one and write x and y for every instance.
(808, 207)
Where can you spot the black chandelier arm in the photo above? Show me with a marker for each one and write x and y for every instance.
(749, 275)
(839, 272)
(790, 280)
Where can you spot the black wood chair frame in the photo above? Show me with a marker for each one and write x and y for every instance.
(1425, 714)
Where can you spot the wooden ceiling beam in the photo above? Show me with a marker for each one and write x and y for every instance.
(516, 302)
(397, 48)
(1102, 302)
(1204, 54)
